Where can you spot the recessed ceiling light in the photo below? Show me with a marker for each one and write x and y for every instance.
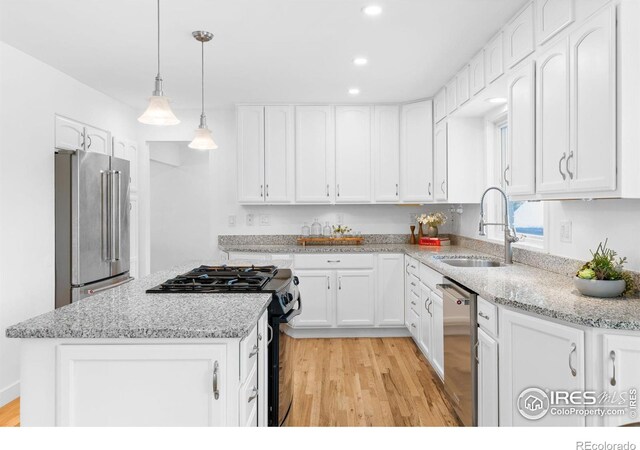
(372, 10)
(497, 100)
(360, 61)
(354, 91)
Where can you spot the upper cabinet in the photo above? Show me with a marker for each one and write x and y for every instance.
(518, 37)
(417, 152)
(440, 105)
(386, 153)
(314, 149)
(71, 135)
(552, 16)
(493, 55)
(452, 95)
(477, 74)
(463, 85)
(353, 154)
(250, 127)
(440, 160)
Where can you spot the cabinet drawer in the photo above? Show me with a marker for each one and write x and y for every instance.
(412, 267)
(414, 324)
(334, 261)
(413, 284)
(249, 400)
(248, 354)
(429, 277)
(414, 302)
(488, 316)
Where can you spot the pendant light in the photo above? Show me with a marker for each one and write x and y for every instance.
(158, 112)
(203, 139)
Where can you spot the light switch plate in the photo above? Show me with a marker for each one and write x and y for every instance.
(566, 232)
(265, 220)
(250, 220)
(232, 221)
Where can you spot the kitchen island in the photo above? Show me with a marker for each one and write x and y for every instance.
(127, 358)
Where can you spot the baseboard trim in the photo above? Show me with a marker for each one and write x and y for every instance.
(304, 333)
(9, 393)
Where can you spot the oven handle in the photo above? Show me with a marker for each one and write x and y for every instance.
(294, 312)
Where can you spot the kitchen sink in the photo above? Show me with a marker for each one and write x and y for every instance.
(471, 262)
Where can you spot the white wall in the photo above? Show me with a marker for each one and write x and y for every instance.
(31, 93)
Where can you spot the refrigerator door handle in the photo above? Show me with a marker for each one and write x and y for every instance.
(106, 212)
(116, 214)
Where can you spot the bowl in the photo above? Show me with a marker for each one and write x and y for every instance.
(600, 288)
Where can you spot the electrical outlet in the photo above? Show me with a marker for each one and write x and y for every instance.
(250, 220)
(265, 220)
(565, 231)
(339, 219)
(232, 221)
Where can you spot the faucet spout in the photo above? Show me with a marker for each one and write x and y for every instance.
(509, 232)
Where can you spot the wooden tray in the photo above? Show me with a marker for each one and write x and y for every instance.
(304, 241)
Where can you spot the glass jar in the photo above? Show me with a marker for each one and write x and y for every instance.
(316, 228)
(326, 231)
(306, 231)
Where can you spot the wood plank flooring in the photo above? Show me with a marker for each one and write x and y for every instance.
(353, 382)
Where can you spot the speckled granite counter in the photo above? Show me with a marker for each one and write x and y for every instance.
(128, 312)
(517, 286)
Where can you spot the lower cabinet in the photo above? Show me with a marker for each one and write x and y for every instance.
(355, 298)
(426, 322)
(390, 290)
(437, 341)
(487, 380)
(620, 370)
(316, 292)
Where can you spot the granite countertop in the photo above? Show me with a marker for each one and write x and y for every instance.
(128, 312)
(518, 286)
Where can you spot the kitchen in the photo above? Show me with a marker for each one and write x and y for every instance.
(249, 228)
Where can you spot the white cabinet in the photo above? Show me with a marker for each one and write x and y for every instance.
(250, 127)
(620, 371)
(462, 80)
(314, 154)
(537, 353)
(386, 153)
(353, 154)
(426, 322)
(142, 385)
(519, 172)
(316, 292)
(440, 105)
(477, 74)
(355, 298)
(127, 149)
(440, 161)
(416, 172)
(518, 37)
(552, 16)
(487, 380)
(390, 290)
(436, 308)
(452, 95)
(494, 58)
(97, 140)
(72, 135)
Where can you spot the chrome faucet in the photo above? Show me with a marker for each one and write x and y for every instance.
(509, 231)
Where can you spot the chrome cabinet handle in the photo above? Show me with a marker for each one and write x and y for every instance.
(413, 325)
(476, 348)
(484, 316)
(328, 283)
(267, 190)
(425, 304)
(333, 260)
(254, 394)
(338, 190)
(413, 302)
(429, 188)
(564, 176)
(567, 164)
(327, 190)
(413, 284)
(270, 333)
(572, 350)
(89, 137)
(504, 175)
(397, 191)
(216, 391)
(340, 283)
(254, 351)
(612, 355)
(261, 190)
(442, 186)
(429, 308)
(259, 336)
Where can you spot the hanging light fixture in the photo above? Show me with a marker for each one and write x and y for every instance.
(158, 112)
(203, 139)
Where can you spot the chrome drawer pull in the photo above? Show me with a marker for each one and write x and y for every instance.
(571, 352)
(333, 260)
(484, 316)
(564, 176)
(254, 351)
(216, 391)
(612, 355)
(254, 394)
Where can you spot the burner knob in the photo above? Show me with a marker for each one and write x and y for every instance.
(296, 281)
(289, 297)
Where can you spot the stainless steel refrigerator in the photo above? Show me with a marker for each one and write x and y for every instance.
(91, 224)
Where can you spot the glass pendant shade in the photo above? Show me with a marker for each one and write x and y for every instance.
(203, 140)
(159, 112)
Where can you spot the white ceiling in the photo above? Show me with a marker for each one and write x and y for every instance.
(263, 50)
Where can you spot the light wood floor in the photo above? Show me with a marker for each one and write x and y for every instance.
(353, 382)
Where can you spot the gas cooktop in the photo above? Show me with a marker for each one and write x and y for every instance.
(211, 279)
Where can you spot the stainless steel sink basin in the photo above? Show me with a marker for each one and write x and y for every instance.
(471, 262)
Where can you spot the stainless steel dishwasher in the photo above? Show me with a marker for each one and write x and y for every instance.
(460, 338)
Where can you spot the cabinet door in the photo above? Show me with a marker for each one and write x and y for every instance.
(487, 380)
(494, 58)
(143, 385)
(386, 153)
(426, 321)
(621, 371)
(552, 16)
(126, 149)
(263, 371)
(317, 294)
(440, 157)
(437, 333)
(314, 154)
(463, 86)
(250, 154)
(69, 134)
(476, 73)
(353, 154)
(592, 157)
(440, 105)
(390, 292)
(278, 154)
(417, 152)
(452, 95)
(519, 173)
(552, 124)
(519, 37)
(356, 298)
(97, 140)
(536, 353)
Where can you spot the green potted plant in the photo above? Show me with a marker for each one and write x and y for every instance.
(604, 275)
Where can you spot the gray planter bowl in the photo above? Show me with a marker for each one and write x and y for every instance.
(600, 288)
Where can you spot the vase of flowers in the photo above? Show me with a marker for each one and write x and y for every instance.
(432, 221)
(341, 231)
(604, 276)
